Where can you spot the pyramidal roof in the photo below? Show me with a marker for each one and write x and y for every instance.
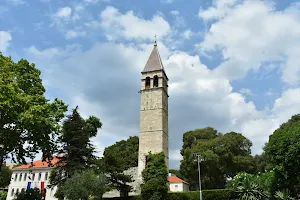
(154, 62)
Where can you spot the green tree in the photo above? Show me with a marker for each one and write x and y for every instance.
(116, 159)
(261, 163)
(31, 194)
(224, 156)
(155, 167)
(85, 185)
(282, 152)
(77, 152)
(155, 177)
(5, 176)
(27, 117)
(250, 184)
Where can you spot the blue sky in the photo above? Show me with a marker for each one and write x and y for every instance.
(232, 64)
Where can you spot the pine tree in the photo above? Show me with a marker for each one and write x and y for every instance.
(77, 152)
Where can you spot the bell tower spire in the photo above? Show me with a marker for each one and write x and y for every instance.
(154, 110)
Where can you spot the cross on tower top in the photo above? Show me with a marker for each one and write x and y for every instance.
(155, 43)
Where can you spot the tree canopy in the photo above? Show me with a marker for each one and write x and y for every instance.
(5, 176)
(84, 185)
(76, 152)
(155, 177)
(224, 156)
(116, 159)
(26, 116)
(282, 152)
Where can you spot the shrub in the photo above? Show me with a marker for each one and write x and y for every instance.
(218, 194)
(154, 189)
(3, 195)
(31, 194)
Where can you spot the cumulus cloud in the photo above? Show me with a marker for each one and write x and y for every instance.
(62, 15)
(5, 38)
(167, 1)
(246, 91)
(187, 34)
(71, 34)
(16, 2)
(129, 26)
(251, 32)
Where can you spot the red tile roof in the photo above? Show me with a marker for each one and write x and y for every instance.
(175, 179)
(38, 164)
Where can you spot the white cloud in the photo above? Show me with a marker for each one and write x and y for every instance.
(74, 34)
(251, 32)
(246, 91)
(130, 26)
(167, 1)
(16, 2)
(187, 34)
(90, 1)
(62, 16)
(5, 38)
(174, 12)
(64, 12)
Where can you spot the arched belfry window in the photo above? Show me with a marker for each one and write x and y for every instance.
(155, 81)
(147, 82)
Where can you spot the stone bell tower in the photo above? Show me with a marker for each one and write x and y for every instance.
(154, 110)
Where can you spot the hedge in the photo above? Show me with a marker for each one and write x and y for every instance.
(218, 194)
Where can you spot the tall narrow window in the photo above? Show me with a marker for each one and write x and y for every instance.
(20, 177)
(147, 82)
(17, 192)
(25, 176)
(12, 192)
(46, 176)
(33, 176)
(155, 81)
(40, 176)
(16, 176)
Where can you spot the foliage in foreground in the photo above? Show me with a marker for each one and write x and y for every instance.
(155, 177)
(26, 115)
(31, 194)
(5, 176)
(219, 194)
(282, 151)
(84, 185)
(3, 194)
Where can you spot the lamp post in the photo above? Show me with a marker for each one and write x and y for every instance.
(199, 160)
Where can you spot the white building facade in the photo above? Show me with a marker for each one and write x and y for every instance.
(35, 176)
(177, 185)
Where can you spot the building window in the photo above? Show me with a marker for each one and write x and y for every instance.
(20, 177)
(25, 176)
(46, 176)
(40, 176)
(176, 186)
(147, 82)
(155, 81)
(16, 176)
(17, 192)
(23, 190)
(12, 192)
(33, 176)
